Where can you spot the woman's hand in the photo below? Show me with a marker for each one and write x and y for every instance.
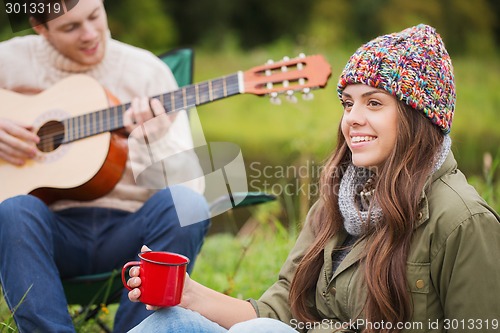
(217, 307)
(17, 142)
(135, 282)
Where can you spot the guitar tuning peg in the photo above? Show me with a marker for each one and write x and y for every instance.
(275, 99)
(286, 58)
(270, 62)
(302, 55)
(291, 97)
(307, 95)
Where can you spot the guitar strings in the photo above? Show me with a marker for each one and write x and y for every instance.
(61, 127)
(202, 92)
(229, 85)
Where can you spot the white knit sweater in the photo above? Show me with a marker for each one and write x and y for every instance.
(30, 62)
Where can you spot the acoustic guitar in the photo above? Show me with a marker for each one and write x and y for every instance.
(80, 155)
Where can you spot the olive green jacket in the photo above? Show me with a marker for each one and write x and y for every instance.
(453, 268)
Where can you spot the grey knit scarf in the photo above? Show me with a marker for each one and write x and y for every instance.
(355, 213)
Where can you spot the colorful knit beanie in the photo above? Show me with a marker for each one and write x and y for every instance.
(412, 65)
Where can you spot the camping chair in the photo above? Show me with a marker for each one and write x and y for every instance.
(97, 290)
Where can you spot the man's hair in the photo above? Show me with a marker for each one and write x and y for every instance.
(51, 10)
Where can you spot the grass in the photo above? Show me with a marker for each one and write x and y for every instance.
(245, 264)
(229, 263)
(488, 184)
(7, 320)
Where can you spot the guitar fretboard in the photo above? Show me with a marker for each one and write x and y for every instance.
(111, 119)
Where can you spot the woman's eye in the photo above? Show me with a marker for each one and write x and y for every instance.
(346, 104)
(374, 103)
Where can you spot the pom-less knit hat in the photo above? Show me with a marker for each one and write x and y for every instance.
(412, 65)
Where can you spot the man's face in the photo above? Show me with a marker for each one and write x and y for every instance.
(80, 34)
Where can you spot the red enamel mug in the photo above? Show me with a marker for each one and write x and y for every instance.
(162, 277)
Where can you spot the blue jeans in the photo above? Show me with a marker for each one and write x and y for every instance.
(39, 247)
(177, 319)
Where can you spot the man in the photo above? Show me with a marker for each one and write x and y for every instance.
(39, 243)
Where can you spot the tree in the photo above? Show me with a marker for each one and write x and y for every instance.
(144, 24)
(469, 26)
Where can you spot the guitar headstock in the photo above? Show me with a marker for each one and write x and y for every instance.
(288, 76)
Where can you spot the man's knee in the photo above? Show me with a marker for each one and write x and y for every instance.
(18, 209)
(19, 202)
(190, 206)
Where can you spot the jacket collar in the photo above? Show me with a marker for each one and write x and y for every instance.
(449, 166)
(352, 257)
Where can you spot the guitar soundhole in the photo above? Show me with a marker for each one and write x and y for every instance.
(51, 136)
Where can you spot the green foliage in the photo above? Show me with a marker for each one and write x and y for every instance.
(468, 27)
(291, 134)
(250, 22)
(154, 30)
(474, 129)
(330, 24)
(488, 185)
(7, 324)
(6, 316)
(397, 14)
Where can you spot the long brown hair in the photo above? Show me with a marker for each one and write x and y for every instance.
(399, 185)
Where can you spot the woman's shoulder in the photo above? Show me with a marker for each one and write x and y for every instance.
(453, 198)
(454, 206)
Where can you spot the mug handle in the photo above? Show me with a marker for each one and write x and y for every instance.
(127, 265)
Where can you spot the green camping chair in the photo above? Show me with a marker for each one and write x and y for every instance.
(181, 63)
(97, 290)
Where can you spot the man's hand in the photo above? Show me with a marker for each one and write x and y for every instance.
(17, 142)
(141, 111)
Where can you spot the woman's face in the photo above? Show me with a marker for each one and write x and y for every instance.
(369, 124)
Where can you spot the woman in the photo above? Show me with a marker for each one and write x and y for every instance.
(398, 242)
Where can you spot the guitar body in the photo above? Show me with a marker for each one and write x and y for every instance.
(84, 169)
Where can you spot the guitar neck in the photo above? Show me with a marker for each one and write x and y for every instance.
(286, 76)
(111, 119)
